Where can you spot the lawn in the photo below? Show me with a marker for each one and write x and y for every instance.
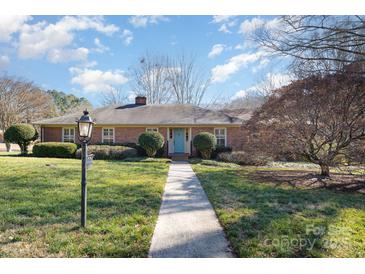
(40, 207)
(267, 216)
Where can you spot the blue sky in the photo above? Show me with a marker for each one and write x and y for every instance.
(87, 56)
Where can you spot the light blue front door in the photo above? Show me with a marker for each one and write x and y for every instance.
(179, 140)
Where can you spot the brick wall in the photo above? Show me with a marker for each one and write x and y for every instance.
(236, 137)
(52, 134)
(131, 134)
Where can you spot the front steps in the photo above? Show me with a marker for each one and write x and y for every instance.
(179, 156)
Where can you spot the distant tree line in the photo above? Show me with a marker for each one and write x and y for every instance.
(67, 103)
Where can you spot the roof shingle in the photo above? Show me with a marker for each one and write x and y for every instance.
(167, 114)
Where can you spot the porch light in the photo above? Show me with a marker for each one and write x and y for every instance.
(85, 127)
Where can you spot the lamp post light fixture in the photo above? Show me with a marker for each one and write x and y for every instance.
(85, 127)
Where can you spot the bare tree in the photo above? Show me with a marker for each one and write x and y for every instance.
(249, 102)
(114, 97)
(163, 79)
(151, 78)
(188, 83)
(22, 102)
(318, 117)
(318, 44)
(255, 96)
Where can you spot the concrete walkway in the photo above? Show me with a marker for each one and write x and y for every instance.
(187, 225)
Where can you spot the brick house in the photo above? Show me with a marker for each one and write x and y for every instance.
(123, 124)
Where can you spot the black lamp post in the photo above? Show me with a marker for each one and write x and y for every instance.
(85, 128)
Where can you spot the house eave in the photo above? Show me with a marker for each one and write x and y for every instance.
(145, 125)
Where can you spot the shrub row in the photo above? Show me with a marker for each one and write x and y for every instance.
(243, 158)
(55, 149)
(140, 150)
(105, 152)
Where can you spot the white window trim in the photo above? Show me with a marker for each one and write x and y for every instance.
(102, 133)
(63, 134)
(225, 134)
(147, 129)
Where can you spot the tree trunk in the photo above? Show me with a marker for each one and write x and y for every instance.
(23, 148)
(8, 146)
(325, 170)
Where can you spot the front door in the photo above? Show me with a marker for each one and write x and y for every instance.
(179, 146)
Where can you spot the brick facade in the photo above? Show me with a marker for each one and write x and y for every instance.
(235, 135)
(51, 134)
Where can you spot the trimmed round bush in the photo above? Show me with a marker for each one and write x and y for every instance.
(151, 142)
(54, 150)
(21, 134)
(107, 152)
(205, 143)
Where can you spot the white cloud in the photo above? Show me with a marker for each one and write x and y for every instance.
(216, 50)
(100, 47)
(93, 80)
(224, 28)
(89, 64)
(4, 61)
(10, 24)
(127, 36)
(271, 82)
(221, 73)
(249, 26)
(226, 21)
(263, 63)
(40, 38)
(241, 93)
(141, 21)
(66, 55)
(222, 18)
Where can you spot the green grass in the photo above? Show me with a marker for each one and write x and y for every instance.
(262, 219)
(40, 207)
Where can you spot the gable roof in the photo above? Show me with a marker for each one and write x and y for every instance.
(167, 114)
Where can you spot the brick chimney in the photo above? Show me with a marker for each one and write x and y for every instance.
(141, 100)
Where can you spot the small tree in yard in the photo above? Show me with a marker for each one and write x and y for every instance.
(318, 117)
(151, 142)
(205, 143)
(21, 134)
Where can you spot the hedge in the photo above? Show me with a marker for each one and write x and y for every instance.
(107, 152)
(55, 149)
(140, 150)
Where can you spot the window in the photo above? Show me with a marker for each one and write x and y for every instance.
(68, 135)
(221, 136)
(108, 135)
(153, 129)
